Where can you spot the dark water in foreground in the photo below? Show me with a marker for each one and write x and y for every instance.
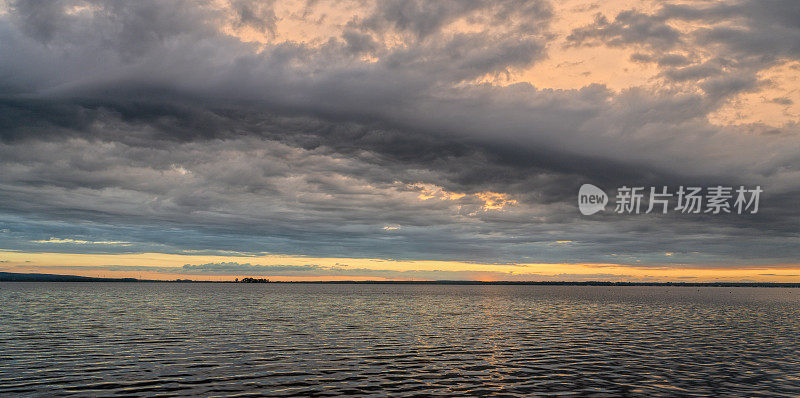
(313, 340)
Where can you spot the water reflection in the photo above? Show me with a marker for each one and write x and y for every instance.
(305, 340)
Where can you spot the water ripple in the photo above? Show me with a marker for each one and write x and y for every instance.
(77, 339)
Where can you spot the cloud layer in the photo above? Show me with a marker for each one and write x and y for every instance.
(390, 129)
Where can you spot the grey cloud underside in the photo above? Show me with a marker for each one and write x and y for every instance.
(144, 125)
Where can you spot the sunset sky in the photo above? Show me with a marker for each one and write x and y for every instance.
(397, 139)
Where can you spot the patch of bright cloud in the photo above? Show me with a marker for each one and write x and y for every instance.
(82, 242)
(431, 191)
(495, 200)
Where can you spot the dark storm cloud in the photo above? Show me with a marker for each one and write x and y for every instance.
(423, 19)
(627, 28)
(764, 28)
(140, 122)
(743, 37)
(259, 15)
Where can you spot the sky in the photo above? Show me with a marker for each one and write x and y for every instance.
(396, 139)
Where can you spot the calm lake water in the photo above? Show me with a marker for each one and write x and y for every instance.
(151, 339)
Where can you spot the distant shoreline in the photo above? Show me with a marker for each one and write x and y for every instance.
(23, 277)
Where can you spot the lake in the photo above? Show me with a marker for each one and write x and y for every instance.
(214, 339)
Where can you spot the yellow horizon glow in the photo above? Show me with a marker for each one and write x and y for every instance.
(62, 263)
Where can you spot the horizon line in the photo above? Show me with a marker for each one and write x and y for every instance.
(43, 277)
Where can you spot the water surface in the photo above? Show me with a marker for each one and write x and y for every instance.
(159, 339)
